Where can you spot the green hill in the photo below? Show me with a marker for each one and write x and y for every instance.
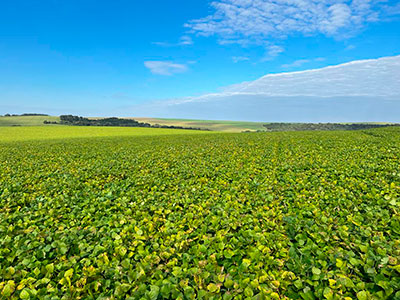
(27, 120)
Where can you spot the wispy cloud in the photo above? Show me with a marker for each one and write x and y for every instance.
(162, 44)
(237, 59)
(301, 62)
(165, 67)
(349, 47)
(185, 40)
(296, 63)
(393, 10)
(257, 21)
(272, 51)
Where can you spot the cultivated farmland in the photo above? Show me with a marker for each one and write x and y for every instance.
(300, 215)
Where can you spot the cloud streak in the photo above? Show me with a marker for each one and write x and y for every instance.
(301, 62)
(371, 78)
(185, 40)
(237, 59)
(272, 51)
(166, 68)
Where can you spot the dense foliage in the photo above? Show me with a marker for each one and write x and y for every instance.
(214, 216)
(82, 121)
(25, 115)
(322, 126)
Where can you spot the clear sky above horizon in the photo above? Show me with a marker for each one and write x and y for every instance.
(99, 57)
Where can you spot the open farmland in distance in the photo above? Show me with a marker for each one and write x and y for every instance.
(214, 125)
(209, 125)
(26, 120)
(285, 215)
(226, 126)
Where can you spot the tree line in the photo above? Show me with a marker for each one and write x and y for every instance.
(113, 121)
(321, 126)
(25, 115)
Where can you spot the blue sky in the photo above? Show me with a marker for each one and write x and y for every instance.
(118, 57)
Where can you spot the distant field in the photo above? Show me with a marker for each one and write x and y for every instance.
(213, 125)
(227, 126)
(27, 120)
(28, 133)
(240, 126)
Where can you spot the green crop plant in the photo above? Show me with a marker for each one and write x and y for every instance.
(26, 133)
(299, 215)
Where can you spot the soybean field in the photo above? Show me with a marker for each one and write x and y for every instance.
(280, 215)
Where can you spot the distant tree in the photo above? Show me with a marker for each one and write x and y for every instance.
(33, 114)
(81, 121)
(321, 126)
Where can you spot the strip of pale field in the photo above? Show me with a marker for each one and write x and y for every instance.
(13, 134)
(214, 125)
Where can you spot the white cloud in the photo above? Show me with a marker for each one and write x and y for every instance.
(361, 78)
(372, 78)
(256, 21)
(296, 63)
(272, 51)
(185, 40)
(365, 90)
(162, 44)
(301, 62)
(392, 10)
(165, 67)
(237, 59)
